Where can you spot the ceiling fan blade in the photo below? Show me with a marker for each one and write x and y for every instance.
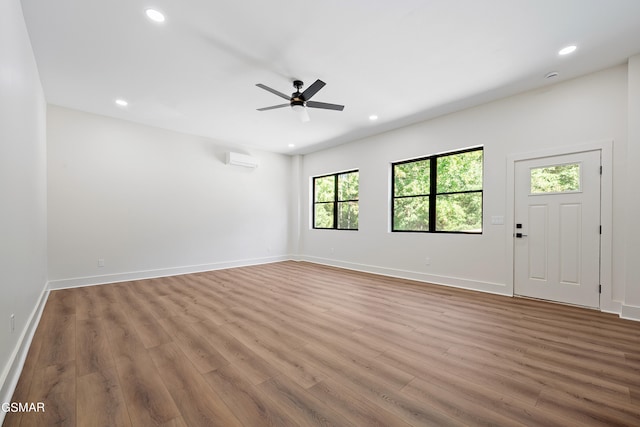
(273, 107)
(324, 105)
(313, 89)
(273, 91)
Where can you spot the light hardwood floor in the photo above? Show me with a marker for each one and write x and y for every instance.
(296, 344)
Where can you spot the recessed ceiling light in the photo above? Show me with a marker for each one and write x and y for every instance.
(291, 145)
(373, 117)
(154, 15)
(122, 102)
(567, 50)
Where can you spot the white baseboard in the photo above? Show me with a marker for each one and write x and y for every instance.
(610, 306)
(630, 312)
(13, 369)
(474, 285)
(76, 282)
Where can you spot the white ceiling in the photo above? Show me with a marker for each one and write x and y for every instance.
(404, 60)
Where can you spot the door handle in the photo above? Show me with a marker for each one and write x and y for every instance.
(520, 235)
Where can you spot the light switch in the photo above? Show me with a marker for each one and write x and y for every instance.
(497, 220)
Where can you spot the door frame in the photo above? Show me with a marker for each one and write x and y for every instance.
(607, 303)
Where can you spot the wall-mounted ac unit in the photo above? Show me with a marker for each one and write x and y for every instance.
(238, 159)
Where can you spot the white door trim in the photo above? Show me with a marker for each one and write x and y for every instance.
(607, 303)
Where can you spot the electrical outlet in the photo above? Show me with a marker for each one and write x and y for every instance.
(13, 322)
(100, 262)
(427, 261)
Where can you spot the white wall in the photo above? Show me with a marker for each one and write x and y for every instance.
(631, 308)
(152, 202)
(591, 108)
(23, 257)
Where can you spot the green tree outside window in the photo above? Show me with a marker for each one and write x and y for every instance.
(335, 201)
(440, 193)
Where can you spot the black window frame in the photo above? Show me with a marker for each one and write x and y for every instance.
(335, 200)
(433, 194)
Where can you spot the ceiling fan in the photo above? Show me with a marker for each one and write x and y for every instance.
(300, 101)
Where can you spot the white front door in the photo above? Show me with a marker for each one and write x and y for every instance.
(557, 228)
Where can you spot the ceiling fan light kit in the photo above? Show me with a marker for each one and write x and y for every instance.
(300, 101)
(298, 107)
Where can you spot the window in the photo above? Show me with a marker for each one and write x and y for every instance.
(441, 193)
(335, 201)
(556, 179)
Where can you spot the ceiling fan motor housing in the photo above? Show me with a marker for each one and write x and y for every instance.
(296, 97)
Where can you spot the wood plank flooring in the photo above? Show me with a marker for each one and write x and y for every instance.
(298, 344)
